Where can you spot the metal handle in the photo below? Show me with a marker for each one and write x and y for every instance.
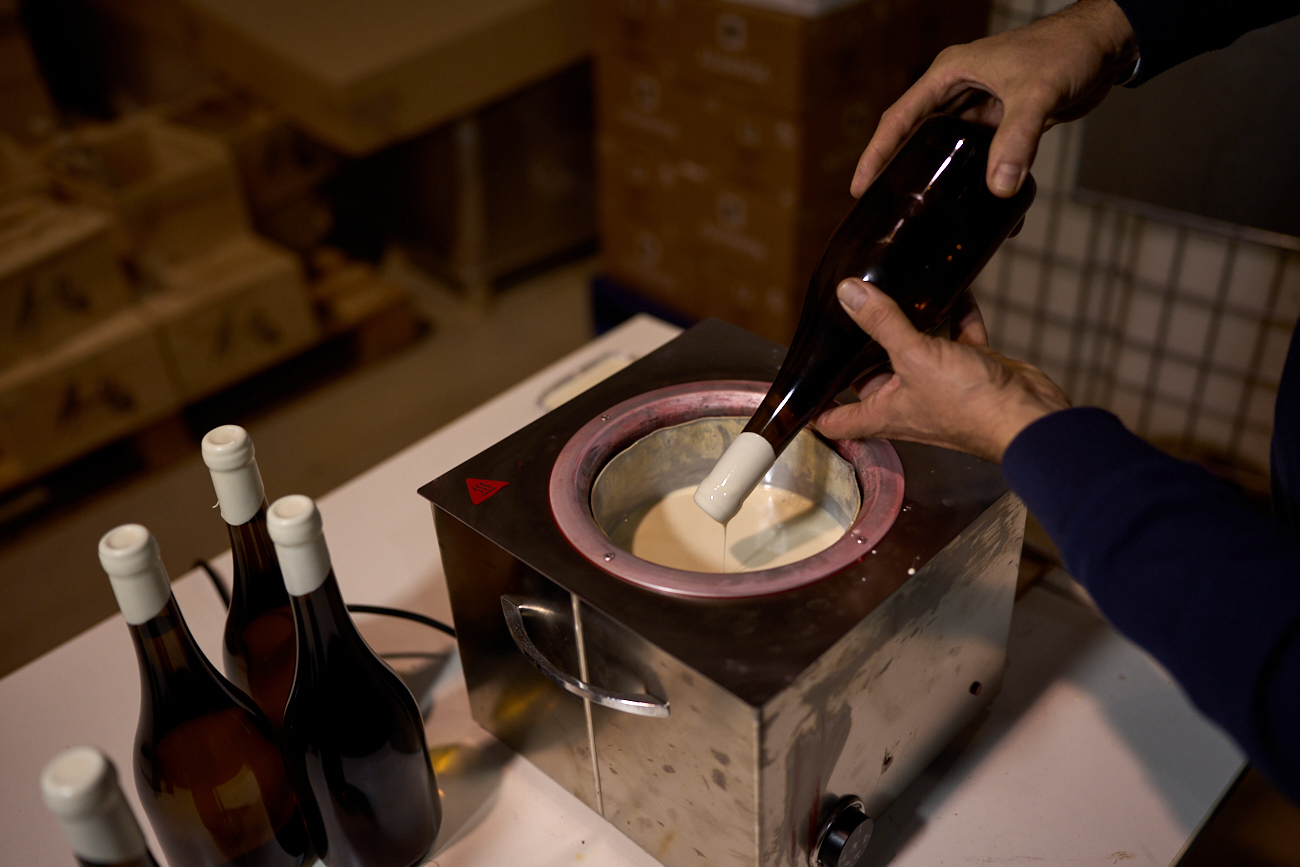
(634, 703)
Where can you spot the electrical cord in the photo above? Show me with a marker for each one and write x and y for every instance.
(385, 611)
(403, 613)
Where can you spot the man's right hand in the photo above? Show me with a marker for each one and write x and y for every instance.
(1056, 69)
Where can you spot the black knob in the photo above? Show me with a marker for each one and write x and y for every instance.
(844, 835)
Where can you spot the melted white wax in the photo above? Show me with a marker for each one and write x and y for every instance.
(773, 527)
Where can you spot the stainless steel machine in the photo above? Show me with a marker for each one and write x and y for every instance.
(758, 718)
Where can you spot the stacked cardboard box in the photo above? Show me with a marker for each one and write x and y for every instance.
(174, 191)
(91, 349)
(281, 169)
(728, 134)
(79, 365)
(59, 273)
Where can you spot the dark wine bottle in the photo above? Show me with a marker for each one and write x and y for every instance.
(207, 765)
(352, 732)
(259, 644)
(81, 789)
(921, 232)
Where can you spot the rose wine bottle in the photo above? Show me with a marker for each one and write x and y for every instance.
(352, 731)
(81, 789)
(259, 643)
(921, 232)
(207, 764)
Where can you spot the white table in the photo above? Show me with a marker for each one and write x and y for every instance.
(1091, 755)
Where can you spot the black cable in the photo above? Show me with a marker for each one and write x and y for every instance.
(355, 609)
(403, 613)
(216, 582)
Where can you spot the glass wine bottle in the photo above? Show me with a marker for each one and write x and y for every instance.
(81, 789)
(352, 731)
(208, 768)
(259, 645)
(921, 232)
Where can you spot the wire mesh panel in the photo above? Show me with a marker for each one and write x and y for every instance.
(1178, 326)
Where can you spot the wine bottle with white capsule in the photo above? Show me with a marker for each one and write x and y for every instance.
(353, 733)
(80, 788)
(921, 233)
(259, 643)
(208, 768)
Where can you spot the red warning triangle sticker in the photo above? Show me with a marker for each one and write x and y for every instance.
(481, 489)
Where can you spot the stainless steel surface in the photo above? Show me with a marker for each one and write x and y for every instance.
(633, 454)
(633, 703)
(781, 703)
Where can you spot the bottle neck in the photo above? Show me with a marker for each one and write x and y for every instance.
(259, 584)
(821, 363)
(177, 681)
(921, 232)
(323, 624)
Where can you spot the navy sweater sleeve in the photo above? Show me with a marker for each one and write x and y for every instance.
(1171, 31)
(1180, 565)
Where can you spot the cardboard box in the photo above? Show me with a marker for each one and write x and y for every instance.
(785, 155)
(729, 133)
(60, 273)
(645, 107)
(645, 244)
(106, 382)
(788, 62)
(647, 182)
(706, 246)
(642, 31)
(230, 312)
(360, 76)
(174, 191)
(653, 257)
(276, 162)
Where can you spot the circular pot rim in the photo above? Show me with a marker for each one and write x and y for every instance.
(874, 461)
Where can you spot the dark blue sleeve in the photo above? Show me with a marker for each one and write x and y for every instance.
(1181, 565)
(1171, 31)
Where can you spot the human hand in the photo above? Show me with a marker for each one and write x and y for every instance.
(959, 395)
(1056, 69)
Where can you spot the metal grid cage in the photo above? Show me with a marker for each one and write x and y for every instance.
(1177, 324)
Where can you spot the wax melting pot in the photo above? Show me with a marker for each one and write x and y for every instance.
(737, 719)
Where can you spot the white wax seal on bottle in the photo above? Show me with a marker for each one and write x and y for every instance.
(80, 788)
(129, 554)
(229, 455)
(295, 526)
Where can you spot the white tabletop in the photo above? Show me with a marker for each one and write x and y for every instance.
(1091, 755)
